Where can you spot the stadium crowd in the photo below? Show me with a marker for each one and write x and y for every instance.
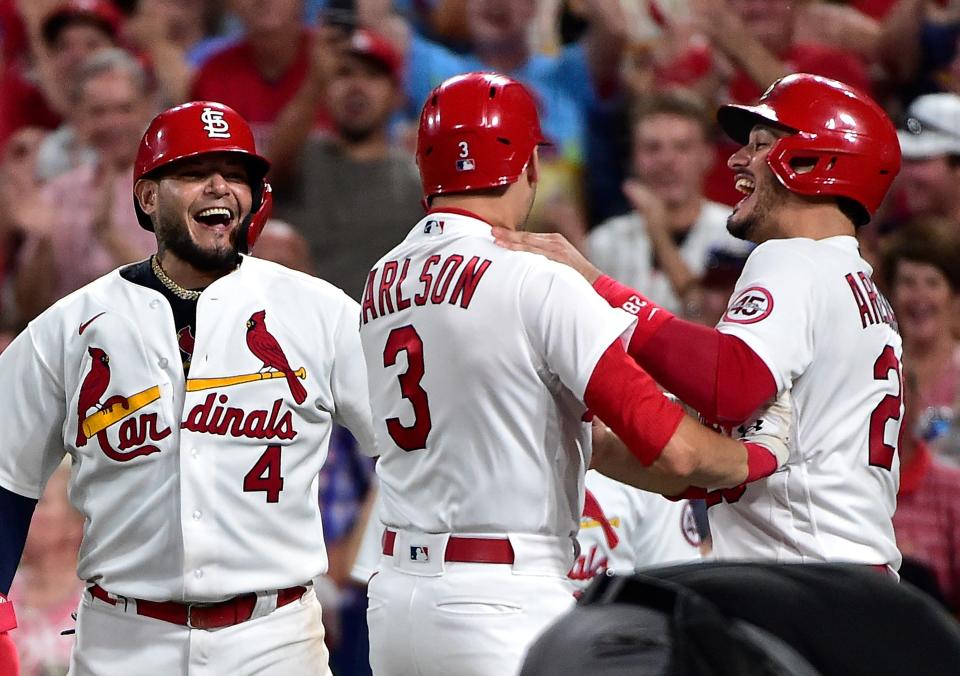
(636, 177)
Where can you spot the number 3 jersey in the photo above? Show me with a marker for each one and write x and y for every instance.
(196, 488)
(477, 359)
(810, 311)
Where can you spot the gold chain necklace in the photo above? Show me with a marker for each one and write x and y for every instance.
(172, 286)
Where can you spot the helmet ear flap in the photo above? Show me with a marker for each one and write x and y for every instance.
(256, 221)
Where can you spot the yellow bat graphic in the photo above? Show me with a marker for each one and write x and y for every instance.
(197, 384)
(101, 420)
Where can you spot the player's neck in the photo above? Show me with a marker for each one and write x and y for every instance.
(813, 221)
(490, 210)
(184, 274)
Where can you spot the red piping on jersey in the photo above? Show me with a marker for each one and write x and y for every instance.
(715, 373)
(456, 211)
(628, 400)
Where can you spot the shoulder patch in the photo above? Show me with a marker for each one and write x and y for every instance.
(750, 306)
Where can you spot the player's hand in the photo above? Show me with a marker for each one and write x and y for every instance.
(648, 204)
(549, 244)
(771, 427)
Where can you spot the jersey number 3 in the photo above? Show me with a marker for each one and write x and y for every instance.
(412, 437)
(881, 453)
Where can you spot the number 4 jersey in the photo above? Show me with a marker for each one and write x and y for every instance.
(196, 488)
(478, 358)
(810, 311)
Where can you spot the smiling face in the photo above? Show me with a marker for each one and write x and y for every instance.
(754, 217)
(499, 23)
(671, 155)
(923, 300)
(197, 207)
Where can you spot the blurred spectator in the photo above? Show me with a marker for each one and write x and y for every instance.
(922, 272)
(662, 245)
(282, 243)
(918, 44)
(39, 96)
(567, 83)
(47, 589)
(88, 226)
(752, 43)
(19, 198)
(262, 72)
(169, 32)
(707, 301)
(927, 520)
(930, 144)
(345, 482)
(353, 195)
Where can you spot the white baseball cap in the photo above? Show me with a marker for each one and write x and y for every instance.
(932, 127)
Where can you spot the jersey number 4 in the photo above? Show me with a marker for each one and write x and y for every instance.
(265, 475)
(881, 453)
(409, 437)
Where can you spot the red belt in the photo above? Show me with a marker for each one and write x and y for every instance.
(202, 615)
(463, 550)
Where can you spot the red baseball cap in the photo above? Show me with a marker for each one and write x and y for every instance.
(368, 44)
(103, 12)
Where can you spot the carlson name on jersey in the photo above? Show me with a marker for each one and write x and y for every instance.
(453, 279)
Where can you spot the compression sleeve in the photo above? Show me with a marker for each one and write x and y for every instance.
(17, 512)
(715, 373)
(628, 400)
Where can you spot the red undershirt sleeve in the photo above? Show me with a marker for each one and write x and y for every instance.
(716, 374)
(629, 401)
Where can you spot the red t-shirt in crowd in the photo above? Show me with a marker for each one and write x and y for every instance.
(231, 77)
(927, 520)
(800, 58)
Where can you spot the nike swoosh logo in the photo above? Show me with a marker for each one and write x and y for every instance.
(83, 327)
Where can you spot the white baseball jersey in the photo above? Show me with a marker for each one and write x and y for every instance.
(810, 311)
(621, 247)
(477, 359)
(624, 528)
(193, 489)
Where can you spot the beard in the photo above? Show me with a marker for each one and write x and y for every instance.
(768, 196)
(174, 236)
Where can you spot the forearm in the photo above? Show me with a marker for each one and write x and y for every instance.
(604, 44)
(671, 262)
(292, 128)
(746, 52)
(899, 39)
(716, 374)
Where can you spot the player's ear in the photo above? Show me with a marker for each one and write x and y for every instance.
(533, 167)
(146, 193)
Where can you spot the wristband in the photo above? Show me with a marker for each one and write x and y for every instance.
(8, 618)
(761, 462)
(650, 316)
(689, 493)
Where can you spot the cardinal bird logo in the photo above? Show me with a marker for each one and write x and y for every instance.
(592, 509)
(91, 391)
(266, 348)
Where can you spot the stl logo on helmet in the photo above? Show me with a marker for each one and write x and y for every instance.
(214, 124)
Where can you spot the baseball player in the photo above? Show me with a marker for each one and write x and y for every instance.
(805, 328)
(623, 528)
(195, 392)
(482, 364)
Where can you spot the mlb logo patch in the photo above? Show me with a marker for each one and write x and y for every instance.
(466, 165)
(419, 553)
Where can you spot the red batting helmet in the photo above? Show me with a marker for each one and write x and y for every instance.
(199, 128)
(848, 138)
(476, 131)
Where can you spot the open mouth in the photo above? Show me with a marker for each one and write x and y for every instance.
(214, 217)
(746, 185)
